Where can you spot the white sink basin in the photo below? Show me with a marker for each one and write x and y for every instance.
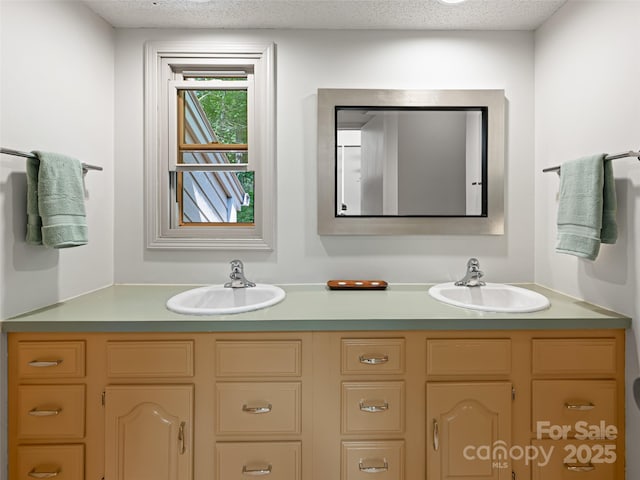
(492, 297)
(218, 300)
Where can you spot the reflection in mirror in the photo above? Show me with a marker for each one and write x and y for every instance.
(427, 161)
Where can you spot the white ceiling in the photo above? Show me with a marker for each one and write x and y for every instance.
(331, 14)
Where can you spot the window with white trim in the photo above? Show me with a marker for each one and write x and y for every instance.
(210, 146)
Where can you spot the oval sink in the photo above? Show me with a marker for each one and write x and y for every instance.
(492, 297)
(219, 300)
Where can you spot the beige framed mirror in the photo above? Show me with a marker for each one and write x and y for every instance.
(403, 162)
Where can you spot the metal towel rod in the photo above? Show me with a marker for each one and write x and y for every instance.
(17, 153)
(608, 157)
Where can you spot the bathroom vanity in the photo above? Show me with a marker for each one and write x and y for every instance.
(325, 385)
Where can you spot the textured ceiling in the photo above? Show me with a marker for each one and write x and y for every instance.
(332, 14)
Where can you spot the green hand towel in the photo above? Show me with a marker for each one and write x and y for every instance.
(34, 222)
(61, 201)
(609, 231)
(587, 206)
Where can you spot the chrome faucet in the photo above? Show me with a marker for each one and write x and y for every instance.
(237, 277)
(473, 276)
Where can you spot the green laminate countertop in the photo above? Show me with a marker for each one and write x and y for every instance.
(307, 307)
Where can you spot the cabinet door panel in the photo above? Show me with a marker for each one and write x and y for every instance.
(258, 408)
(274, 460)
(62, 462)
(462, 417)
(148, 432)
(51, 411)
(567, 402)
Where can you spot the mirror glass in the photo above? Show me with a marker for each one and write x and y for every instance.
(424, 161)
(407, 162)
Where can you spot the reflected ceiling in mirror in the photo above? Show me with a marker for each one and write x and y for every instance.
(410, 162)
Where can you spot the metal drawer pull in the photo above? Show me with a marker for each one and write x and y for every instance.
(34, 474)
(257, 409)
(436, 434)
(373, 469)
(256, 472)
(44, 413)
(580, 467)
(581, 407)
(373, 407)
(181, 439)
(374, 359)
(44, 363)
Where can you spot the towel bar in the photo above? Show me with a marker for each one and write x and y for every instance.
(17, 153)
(608, 157)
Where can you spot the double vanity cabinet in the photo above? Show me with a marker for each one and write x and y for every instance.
(352, 404)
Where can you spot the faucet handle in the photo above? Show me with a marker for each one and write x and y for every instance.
(473, 263)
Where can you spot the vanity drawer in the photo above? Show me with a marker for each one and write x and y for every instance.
(373, 355)
(51, 359)
(133, 359)
(565, 402)
(62, 462)
(373, 407)
(258, 358)
(469, 357)
(258, 408)
(274, 460)
(574, 357)
(381, 460)
(51, 411)
(564, 464)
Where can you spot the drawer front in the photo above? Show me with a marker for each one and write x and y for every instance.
(258, 408)
(575, 460)
(62, 462)
(469, 357)
(51, 411)
(51, 359)
(566, 402)
(275, 461)
(373, 355)
(131, 359)
(373, 407)
(574, 356)
(383, 460)
(258, 358)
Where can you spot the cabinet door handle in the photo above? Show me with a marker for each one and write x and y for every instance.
(581, 407)
(44, 363)
(374, 359)
(34, 474)
(373, 468)
(256, 471)
(257, 409)
(34, 412)
(436, 435)
(181, 438)
(372, 407)
(580, 467)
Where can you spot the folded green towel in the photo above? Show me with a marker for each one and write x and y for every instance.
(34, 222)
(60, 199)
(587, 207)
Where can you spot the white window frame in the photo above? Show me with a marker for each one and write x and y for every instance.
(161, 58)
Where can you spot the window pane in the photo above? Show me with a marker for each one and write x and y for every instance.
(196, 157)
(216, 197)
(212, 116)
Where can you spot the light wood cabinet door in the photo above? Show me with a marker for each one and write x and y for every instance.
(148, 432)
(464, 421)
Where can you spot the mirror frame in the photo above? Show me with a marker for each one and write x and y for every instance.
(331, 224)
